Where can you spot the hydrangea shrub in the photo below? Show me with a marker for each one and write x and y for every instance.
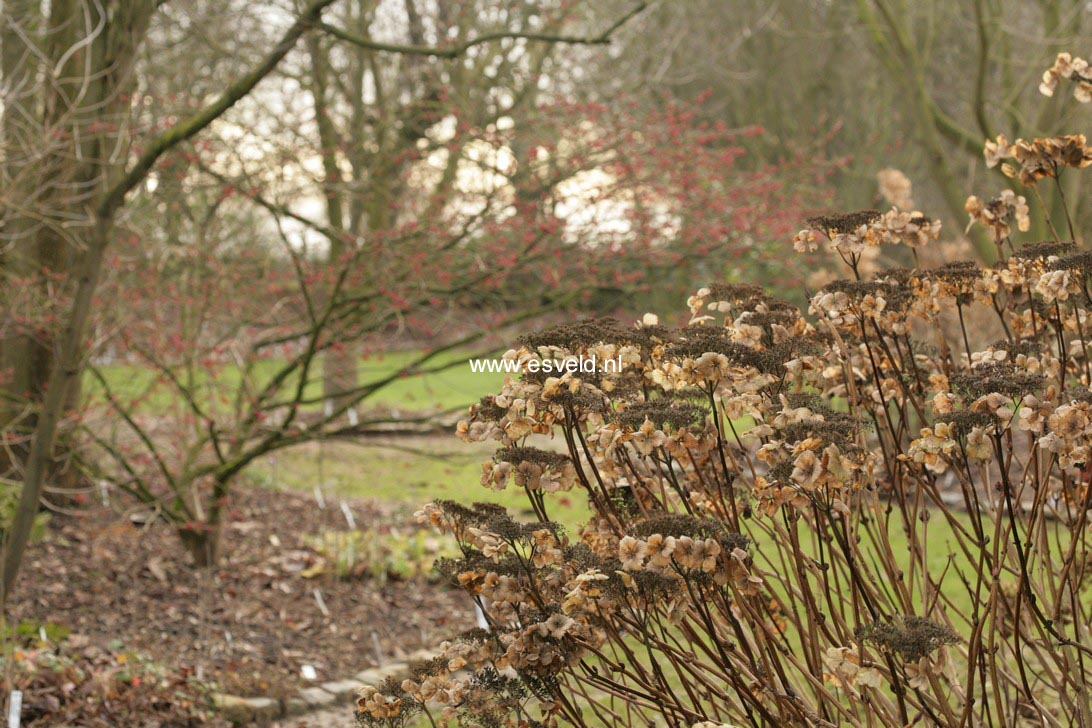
(856, 514)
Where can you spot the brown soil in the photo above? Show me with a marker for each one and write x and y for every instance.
(246, 627)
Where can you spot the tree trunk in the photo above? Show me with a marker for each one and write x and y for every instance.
(339, 366)
(203, 545)
(18, 64)
(62, 135)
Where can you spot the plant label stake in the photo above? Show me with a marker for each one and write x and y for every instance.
(320, 499)
(348, 515)
(479, 615)
(15, 708)
(321, 603)
(378, 650)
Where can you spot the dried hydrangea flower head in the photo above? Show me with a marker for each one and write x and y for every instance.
(747, 476)
(1070, 68)
(725, 297)
(848, 233)
(1039, 158)
(910, 637)
(579, 335)
(896, 187)
(909, 227)
(997, 378)
(662, 412)
(999, 212)
(1045, 250)
(529, 467)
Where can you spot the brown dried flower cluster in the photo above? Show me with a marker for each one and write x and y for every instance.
(999, 213)
(1031, 161)
(1072, 69)
(851, 233)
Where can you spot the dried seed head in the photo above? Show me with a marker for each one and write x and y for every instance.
(662, 412)
(957, 273)
(1045, 249)
(582, 334)
(488, 410)
(545, 458)
(965, 421)
(1001, 378)
(1079, 394)
(694, 341)
(844, 223)
(909, 637)
(1025, 347)
(735, 292)
(582, 401)
(836, 428)
(649, 335)
(1079, 261)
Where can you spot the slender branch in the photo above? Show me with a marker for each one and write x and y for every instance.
(459, 49)
(200, 120)
(983, 67)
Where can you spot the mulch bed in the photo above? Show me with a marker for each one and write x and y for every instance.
(247, 627)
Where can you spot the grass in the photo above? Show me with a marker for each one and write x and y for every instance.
(411, 472)
(404, 472)
(139, 386)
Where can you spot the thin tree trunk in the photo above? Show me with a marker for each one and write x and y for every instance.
(339, 365)
(18, 67)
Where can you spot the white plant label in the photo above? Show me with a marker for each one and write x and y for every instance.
(479, 616)
(348, 515)
(15, 708)
(321, 603)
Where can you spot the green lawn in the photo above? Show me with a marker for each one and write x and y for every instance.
(453, 387)
(408, 472)
(411, 472)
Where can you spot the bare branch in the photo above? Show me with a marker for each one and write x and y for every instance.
(196, 123)
(457, 50)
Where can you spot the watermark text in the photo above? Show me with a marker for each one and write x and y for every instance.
(572, 364)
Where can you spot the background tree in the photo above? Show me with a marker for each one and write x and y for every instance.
(232, 365)
(924, 83)
(75, 146)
